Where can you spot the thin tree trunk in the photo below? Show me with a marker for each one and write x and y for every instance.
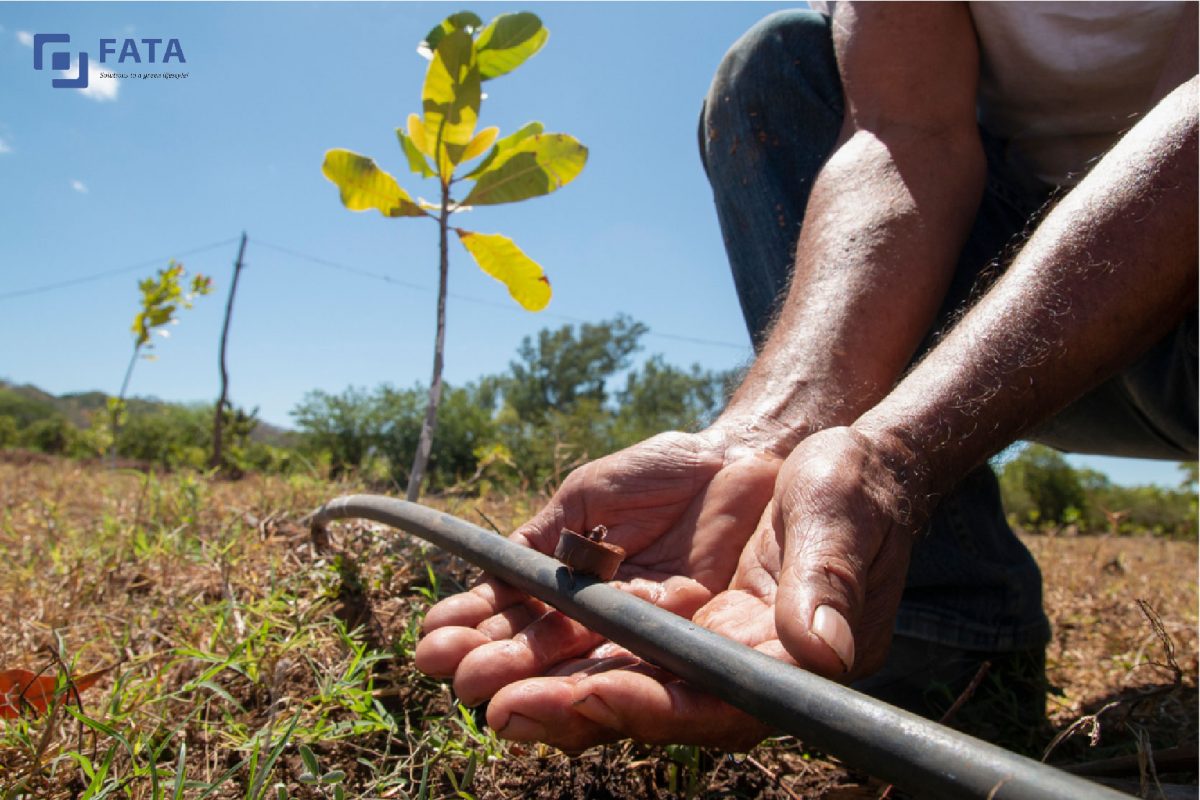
(115, 412)
(425, 443)
(218, 459)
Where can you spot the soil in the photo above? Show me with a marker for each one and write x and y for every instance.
(1123, 660)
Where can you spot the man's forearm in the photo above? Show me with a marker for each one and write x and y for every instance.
(1111, 270)
(875, 256)
(885, 221)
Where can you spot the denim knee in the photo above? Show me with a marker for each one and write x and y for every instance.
(786, 58)
(770, 120)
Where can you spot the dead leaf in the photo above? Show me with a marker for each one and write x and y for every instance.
(20, 688)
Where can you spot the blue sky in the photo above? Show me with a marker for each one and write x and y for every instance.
(105, 181)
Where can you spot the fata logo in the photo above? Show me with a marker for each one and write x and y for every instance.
(60, 60)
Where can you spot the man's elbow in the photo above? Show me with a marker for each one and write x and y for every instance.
(951, 156)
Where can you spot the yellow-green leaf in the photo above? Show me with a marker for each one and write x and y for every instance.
(416, 159)
(450, 99)
(507, 42)
(416, 133)
(503, 147)
(499, 257)
(482, 141)
(463, 20)
(364, 185)
(536, 166)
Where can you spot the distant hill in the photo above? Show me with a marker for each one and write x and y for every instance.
(27, 403)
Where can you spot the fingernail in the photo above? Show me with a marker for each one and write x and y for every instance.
(833, 629)
(597, 710)
(522, 729)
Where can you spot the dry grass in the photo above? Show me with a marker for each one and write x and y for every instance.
(1107, 656)
(245, 662)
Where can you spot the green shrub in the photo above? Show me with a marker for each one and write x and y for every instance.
(9, 432)
(50, 435)
(25, 410)
(344, 427)
(172, 436)
(1042, 487)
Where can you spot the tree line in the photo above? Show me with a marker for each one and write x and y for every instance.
(570, 394)
(1042, 491)
(560, 403)
(152, 433)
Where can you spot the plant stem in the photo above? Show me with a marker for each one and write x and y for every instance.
(218, 459)
(425, 443)
(115, 417)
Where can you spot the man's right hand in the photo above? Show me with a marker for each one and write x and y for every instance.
(681, 505)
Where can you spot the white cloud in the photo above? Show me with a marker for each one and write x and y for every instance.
(98, 89)
(5, 147)
(79, 186)
(25, 38)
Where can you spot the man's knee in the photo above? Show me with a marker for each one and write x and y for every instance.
(754, 61)
(785, 61)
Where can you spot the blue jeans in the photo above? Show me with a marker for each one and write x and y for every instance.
(769, 122)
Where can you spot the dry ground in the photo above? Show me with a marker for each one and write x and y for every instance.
(247, 664)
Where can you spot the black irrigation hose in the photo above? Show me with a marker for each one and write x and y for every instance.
(919, 756)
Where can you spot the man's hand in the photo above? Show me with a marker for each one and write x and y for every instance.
(681, 505)
(846, 514)
(829, 540)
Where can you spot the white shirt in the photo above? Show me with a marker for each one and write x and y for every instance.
(1061, 81)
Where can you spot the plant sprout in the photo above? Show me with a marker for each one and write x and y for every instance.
(163, 296)
(439, 143)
